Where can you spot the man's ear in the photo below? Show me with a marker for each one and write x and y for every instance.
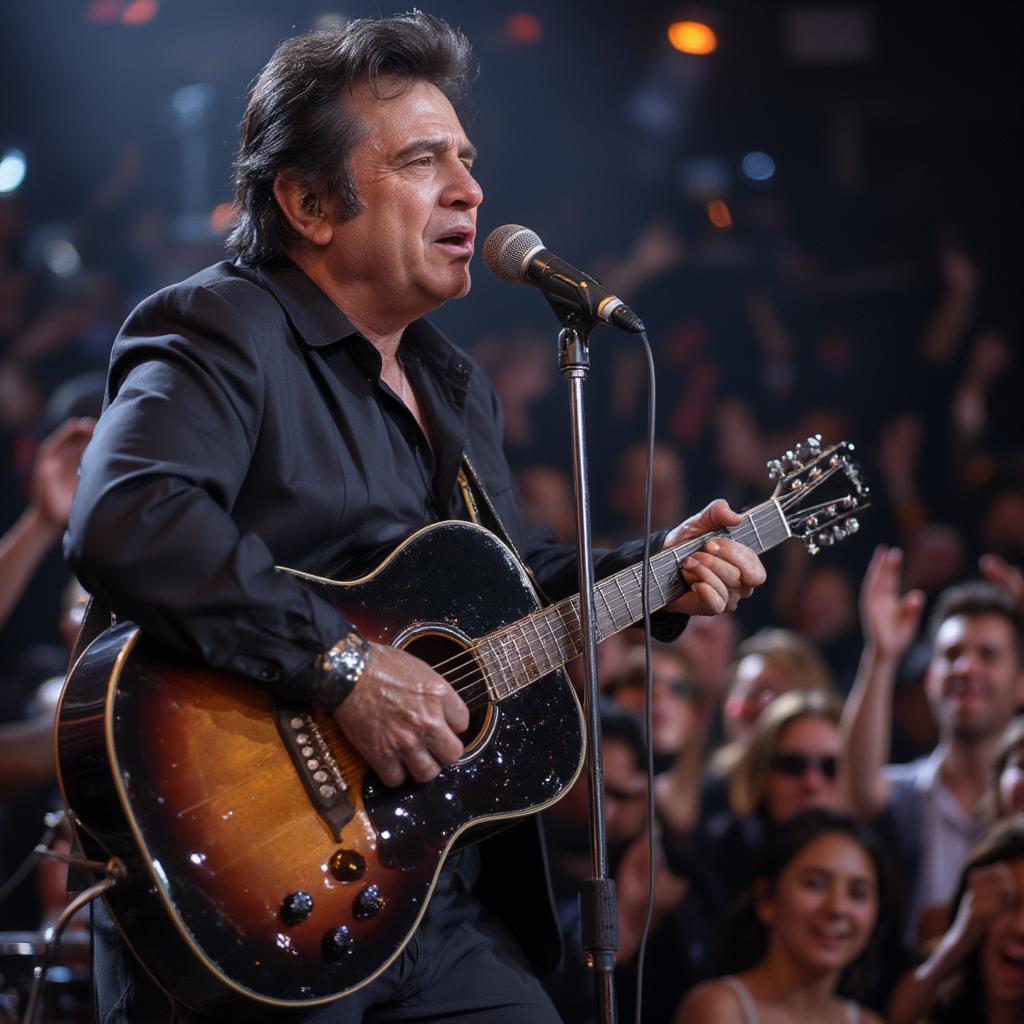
(304, 209)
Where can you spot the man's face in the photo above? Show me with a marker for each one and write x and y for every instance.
(408, 251)
(974, 682)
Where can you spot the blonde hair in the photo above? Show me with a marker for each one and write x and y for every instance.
(748, 781)
(795, 655)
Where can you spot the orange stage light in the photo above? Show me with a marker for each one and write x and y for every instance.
(692, 37)
(222, 216)
(138, 12)
(523, 28)
(719, 215)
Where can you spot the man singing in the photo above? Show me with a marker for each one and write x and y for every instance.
(293, 407)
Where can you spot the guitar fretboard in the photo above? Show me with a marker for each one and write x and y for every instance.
(524, 651)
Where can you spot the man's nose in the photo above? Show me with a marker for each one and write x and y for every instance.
(463, 190)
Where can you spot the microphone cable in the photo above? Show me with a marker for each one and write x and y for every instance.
(648, 676)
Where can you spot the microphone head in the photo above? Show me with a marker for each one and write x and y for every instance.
(506, 249)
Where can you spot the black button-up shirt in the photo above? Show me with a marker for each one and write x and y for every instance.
(246, 427)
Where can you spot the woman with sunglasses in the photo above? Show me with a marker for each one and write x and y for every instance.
(801, 941)
(975, 973)
(789, 765)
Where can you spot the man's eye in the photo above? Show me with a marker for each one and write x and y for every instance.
(423, 161)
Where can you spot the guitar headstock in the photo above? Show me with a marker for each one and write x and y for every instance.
(820, 491)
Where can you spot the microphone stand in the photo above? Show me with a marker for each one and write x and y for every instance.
(598, 914)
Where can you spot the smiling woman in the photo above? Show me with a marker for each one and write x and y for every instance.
(804, 933)
(976, 970)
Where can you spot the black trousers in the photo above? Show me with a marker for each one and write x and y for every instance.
(461, 965)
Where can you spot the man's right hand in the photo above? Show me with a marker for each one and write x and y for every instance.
(403, 717)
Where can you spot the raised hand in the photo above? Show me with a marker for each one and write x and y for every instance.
(55, 471)
(890, 621)
(991, 891)
(998, 571)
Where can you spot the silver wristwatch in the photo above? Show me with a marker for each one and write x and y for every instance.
(341, 667)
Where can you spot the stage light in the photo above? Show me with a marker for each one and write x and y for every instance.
(692, 37)
(719, 215)
(62, 257)
(13, 168)
(758, 166)
(138, 12)
(523, 28)
(100, 11)
(222, 216)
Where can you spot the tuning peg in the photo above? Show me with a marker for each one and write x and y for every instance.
(775, 470)
(825, 538)
(812, 548)
(838, 534)
(814, 442)
(852, 525)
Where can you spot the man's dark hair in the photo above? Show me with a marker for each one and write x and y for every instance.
(296, 118)
(978, 597)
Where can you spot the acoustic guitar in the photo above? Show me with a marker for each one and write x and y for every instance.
(266, 867)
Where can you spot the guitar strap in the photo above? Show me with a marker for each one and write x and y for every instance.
(475, 495)
(97, 618)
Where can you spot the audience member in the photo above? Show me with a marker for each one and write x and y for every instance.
(789, 765)
(804, 933)
(976, 970)
(668, 489)
(547, 499)
(933, 806)
(53, 482)
(1006, 788)
(766, 665)
(677, 731)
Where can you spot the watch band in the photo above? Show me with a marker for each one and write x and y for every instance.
(339, 669)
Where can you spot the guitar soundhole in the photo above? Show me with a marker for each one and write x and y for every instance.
(452, 659)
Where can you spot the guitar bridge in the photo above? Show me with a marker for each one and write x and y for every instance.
(321, 777)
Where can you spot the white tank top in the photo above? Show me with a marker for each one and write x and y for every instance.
(851, 1010)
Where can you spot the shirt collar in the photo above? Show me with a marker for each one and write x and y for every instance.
(320, 322)
(317, 320)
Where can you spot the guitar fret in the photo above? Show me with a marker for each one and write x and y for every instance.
(625, 599)
(538, 668)
(602, 633)
(554, 636)
(653, 575)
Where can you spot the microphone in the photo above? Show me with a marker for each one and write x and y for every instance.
(515, 253)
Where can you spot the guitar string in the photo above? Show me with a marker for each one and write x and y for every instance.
(346, 762)
(467, 661)
(476, 680)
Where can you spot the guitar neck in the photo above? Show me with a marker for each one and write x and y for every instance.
(524, 651)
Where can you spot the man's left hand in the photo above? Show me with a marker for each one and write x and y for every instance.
(720, 575)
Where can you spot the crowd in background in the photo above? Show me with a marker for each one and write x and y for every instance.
(873, 686)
